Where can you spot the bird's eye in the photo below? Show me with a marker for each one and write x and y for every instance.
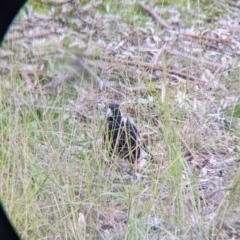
(109, 112)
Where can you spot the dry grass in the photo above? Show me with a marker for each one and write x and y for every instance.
(181, 87)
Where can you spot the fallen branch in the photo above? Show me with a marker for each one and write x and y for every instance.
(192, 35)
(85, 66)
(60, 78)
(88, 7)
(54, 2)
(195, 60)
(231, 3)
(155, 67)
(101, 82)
(159, 20)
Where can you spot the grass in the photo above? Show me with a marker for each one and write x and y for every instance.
(47, 178)
(54, 168)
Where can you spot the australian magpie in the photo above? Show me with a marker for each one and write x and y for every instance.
(122, 136)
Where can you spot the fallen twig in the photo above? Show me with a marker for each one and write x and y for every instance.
(155, 67)
(196, 60)
(60, 78)
(88, 7)
(54, 2)
(192, 35)
(159, 20)
(82, 63)
(85, 66)
(235, 4)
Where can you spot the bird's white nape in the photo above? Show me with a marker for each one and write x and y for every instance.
(109, 113)
(124, 119)
(143, 154)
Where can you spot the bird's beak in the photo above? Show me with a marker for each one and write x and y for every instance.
(109, 113)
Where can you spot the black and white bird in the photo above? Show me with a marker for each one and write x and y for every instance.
(122, 136)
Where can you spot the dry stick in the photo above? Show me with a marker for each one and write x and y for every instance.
(83, 116)
(156, 67)
(233, 3)
(179, 79)
(138, 88)
(101, 82)
(30, 85)
(187, 147)
(208, 38)
(156, 57)
(210, 195)
(38, 34)
(90, 7)
(194, 59)
(14, 36)
(221, 49)
(43, 32)
(60, 109)
(36, 17)
(60, 78)
(132, 89)
(55, 3)
(159, 20)
(113, 89)
(83, 64)
(218, 40)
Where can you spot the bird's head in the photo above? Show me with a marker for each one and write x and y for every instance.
(113, 111)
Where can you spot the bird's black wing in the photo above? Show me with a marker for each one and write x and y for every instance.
(111, 137)
(137, 146)
(124, 140)
(129, 141)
